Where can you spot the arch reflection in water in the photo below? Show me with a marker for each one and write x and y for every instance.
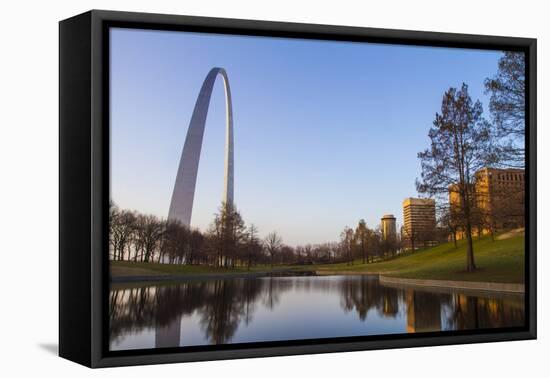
(284, 308)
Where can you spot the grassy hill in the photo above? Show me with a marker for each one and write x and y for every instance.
(497, 261)
(131, 268)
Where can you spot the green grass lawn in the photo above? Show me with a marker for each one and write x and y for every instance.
(496, 261)
(130, 268)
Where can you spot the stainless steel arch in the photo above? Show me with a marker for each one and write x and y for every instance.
(181, 206)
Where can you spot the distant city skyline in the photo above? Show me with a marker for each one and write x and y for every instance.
(326, 133)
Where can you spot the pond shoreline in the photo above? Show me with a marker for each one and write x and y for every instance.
(514, 288)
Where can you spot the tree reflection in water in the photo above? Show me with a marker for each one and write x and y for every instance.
(364, 293)
(471, 312)
(222, 307)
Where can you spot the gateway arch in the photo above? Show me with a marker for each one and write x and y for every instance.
(181, 205)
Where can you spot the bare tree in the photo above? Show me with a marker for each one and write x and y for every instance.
(227, 235)
(196, 245)
(373, 244)
(114, 214)
(253, 246)
(122, 227)
(446, 221)
(361, 236)
(300, 253)
(462, 142)
(308, 252)
(174, 242)
(347, 242)
(286, 254)
(273, 243)
(412, 236)
(507, 105)
(149, 232)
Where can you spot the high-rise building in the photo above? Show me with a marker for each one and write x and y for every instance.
(418, 223)
(498, 201)
(388, 225)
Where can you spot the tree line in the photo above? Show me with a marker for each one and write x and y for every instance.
(229, 242)
(366, 244)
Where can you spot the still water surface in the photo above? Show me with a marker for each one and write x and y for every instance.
(289, 308)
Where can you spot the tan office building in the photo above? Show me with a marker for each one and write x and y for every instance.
(498, 201)
(418, 223)
(500, 195)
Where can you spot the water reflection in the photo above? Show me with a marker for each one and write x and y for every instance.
(281, 308)
(424, 311)
(363, 293)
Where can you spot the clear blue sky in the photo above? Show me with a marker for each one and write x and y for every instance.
(326, 132)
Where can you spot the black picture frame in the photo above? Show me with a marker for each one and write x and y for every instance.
(84, 186)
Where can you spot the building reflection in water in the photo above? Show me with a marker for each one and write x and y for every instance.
(223, 307)
(423, 311)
